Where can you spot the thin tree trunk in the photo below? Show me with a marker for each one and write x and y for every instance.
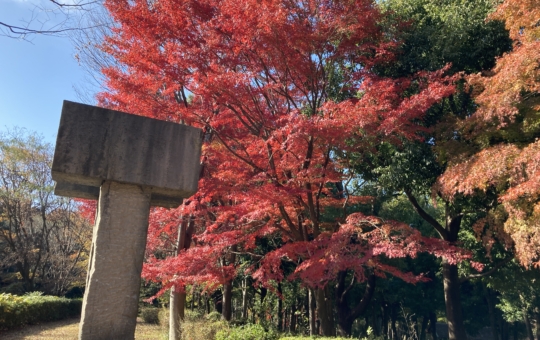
(292, 323)
(193, 293)
(227, 288)
(537, 321)
(177, 302)
(311, 308)
(280, 308)
(244, 298)
(528, 324)
(393, 317)
(385, 317)
(285, 324)
(433, 325)
(226, 311)
(491, 310)
(177, 299)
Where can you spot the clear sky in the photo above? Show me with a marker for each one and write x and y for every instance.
(35, 77)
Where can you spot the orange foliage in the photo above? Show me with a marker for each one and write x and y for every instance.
(517, 73)
(512, 170)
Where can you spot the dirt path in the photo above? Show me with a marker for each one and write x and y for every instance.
(68, 330)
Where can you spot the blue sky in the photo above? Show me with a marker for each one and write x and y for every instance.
(35, 77)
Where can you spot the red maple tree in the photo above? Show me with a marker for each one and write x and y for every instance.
(262, 78)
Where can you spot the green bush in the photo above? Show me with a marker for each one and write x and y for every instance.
(17, 311)
(150, 315)
(247, 332)
(15, 288)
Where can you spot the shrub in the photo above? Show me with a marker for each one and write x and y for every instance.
(150, 315)
(163, 317)
(196, 327)
(247, 332)
(17, 311)
(15, 288)
(312, 338)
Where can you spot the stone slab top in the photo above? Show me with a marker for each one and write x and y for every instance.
(96, 144)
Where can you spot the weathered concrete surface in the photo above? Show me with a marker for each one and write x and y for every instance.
(76, 190)
(92, 193)
(119, 239)
(96, 144)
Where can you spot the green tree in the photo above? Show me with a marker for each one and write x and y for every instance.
(438, 33)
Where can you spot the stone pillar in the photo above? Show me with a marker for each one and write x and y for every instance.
(118, 244)
(130, 163)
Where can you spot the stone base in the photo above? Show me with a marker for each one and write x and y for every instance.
(114, 271)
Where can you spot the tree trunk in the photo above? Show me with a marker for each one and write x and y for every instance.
(177, 299)
(393, 317)
(324, 311)
(226, 311)
(345, 314)
(452, 298)
(207, 302)
(177, 302)
(292, 323)
(280, 308)
(433, 325)
(193, 298)
(217, 297)
(537, 321)
(385, 318)
(244, 298)
(311, 308)
(505, 335)
(227, 287)
(491, 310)
(425, 320)
(528, 324)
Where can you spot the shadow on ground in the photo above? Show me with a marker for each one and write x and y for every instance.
(69, 329)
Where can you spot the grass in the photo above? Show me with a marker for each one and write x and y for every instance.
(69, 329)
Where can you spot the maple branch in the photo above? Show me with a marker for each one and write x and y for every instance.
(427, 217)
(251, 125)
(250, 163)
(311, 203)
(288, 220)
(488, 273)
(368, 294)
(246, 253)
(345, 188)
(349, 287)
(325, 166)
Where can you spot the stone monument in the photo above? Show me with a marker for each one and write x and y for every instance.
(129, 163)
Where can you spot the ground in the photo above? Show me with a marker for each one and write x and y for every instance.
(69, 329)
